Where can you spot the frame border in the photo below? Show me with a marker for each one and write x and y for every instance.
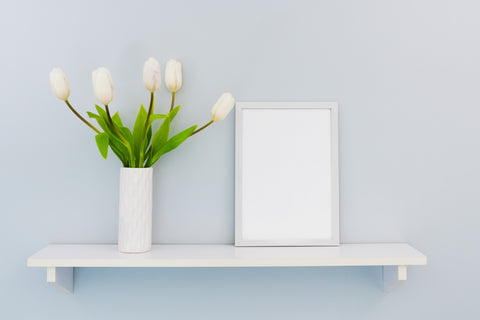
(333, 107)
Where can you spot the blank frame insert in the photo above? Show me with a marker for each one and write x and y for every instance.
(286, 174)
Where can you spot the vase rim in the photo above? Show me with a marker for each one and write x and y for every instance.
(128, 168)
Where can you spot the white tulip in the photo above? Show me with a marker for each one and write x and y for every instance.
(59, 84)
(173, 75)
(152, 77)
(102, 85)
(223, 106)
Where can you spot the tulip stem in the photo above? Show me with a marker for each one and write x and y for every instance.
(198, 130)
(81, 118)
(173, 101)
(125, 142)
(147, 121)
(150, 111)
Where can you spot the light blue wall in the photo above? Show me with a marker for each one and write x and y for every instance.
(407, 78)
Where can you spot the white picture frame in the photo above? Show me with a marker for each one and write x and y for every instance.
(286, 174)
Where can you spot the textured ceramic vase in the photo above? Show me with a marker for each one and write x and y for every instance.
(135, 210)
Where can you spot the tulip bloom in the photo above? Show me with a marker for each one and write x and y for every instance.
(152, 76)
(223, 106)
(102, 85)
(173, 75)
(59, 84)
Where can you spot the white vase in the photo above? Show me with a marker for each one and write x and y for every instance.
(135, 210)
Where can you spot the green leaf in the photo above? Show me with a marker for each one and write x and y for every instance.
(129, 137)
(138, 130)
(149, 138)
(174, 112)
(102, 119)
(127, 134)
(161, 136)
(154, 117)
(120, 150)
(102, 144)
(139, 123)
(100, 110)
(92, 115)
(172, 143)
(116, 119)
(105, 124)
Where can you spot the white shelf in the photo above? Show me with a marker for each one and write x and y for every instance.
(61, 259)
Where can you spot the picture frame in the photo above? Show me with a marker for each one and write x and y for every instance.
(286, 174)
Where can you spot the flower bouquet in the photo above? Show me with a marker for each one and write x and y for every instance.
(139, 148)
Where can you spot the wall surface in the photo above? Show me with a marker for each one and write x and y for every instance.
(405, 73)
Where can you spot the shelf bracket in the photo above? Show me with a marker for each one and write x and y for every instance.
(62, 277)
(393, 276)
